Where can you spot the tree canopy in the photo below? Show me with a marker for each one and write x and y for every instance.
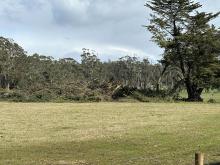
(191, 59)
(191, 44)
(38, 77)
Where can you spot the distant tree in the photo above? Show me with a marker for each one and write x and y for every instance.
(12, 63)
(191, 44)
(91, 65)
(43, 78)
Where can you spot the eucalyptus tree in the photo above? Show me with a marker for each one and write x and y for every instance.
(12, 58)
(91, 65)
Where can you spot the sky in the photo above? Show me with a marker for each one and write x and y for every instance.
(61, 28)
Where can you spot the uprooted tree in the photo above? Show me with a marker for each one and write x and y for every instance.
(190, 43)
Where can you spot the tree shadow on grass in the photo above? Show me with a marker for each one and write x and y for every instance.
(214, 163)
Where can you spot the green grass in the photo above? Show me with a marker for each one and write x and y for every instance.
(108, 133)
(214, 94)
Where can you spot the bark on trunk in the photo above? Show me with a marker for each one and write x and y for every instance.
(8, 87)
(194, 92)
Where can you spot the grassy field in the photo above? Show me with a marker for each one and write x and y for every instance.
(108, 133)
(210, 95)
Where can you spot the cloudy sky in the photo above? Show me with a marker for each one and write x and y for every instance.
(61, 28)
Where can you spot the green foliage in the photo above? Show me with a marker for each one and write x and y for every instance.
(41, 96)
(39, 78)
(122, 92)
(190, 57)
(211, 101)
(12, 95)
(191, 44)
(142, 95)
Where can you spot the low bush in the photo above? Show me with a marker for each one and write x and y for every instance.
(212, 101)
(122, 92)
(146, 95)
(16, 96)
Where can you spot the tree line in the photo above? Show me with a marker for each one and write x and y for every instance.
(191, 61)
(38, 77)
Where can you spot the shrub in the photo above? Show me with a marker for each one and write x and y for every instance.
(122, 92)
(41, 96)
(140, 97)
(17, 96)
(211, 101)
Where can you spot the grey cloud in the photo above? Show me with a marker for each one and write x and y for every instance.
(59, 27)
(117, 21)
(92, 13)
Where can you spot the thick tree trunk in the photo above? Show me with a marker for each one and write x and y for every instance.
(194, 92)
(195, 95)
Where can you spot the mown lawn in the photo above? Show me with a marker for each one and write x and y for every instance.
(108, 133)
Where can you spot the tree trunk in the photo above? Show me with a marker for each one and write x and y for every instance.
(8, 87)
(194, 92)
(158, 87)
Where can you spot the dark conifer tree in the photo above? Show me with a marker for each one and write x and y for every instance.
(190, 43)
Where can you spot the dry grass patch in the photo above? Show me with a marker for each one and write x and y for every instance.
(108, 133)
